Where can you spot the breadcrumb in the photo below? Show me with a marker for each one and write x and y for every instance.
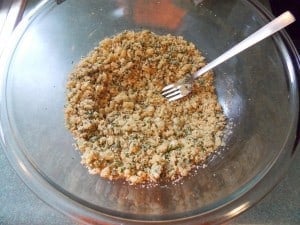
(122, 125)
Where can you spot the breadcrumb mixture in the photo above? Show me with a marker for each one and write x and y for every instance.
(123, 126)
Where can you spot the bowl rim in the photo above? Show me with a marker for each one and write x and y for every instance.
(239, 202)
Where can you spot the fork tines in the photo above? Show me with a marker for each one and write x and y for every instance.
(171, 92)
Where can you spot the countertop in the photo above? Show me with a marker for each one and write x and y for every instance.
(19, 205)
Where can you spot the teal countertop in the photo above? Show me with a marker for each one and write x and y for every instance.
(21, 206)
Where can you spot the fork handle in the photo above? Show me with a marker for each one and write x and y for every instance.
(270, 28)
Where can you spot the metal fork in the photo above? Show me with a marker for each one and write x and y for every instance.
(183, 87)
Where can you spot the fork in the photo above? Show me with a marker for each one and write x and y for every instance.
(183, 87)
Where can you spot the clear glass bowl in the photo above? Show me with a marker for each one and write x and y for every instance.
(258, 91)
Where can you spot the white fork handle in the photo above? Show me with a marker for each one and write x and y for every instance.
(272, 27)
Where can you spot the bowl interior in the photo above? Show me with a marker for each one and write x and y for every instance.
(253, 89)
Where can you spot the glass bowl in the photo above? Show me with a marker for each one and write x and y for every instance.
(257, 89)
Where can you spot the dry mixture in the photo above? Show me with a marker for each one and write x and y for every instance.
(123, 126)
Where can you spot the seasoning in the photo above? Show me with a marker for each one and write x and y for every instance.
(123, 126)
